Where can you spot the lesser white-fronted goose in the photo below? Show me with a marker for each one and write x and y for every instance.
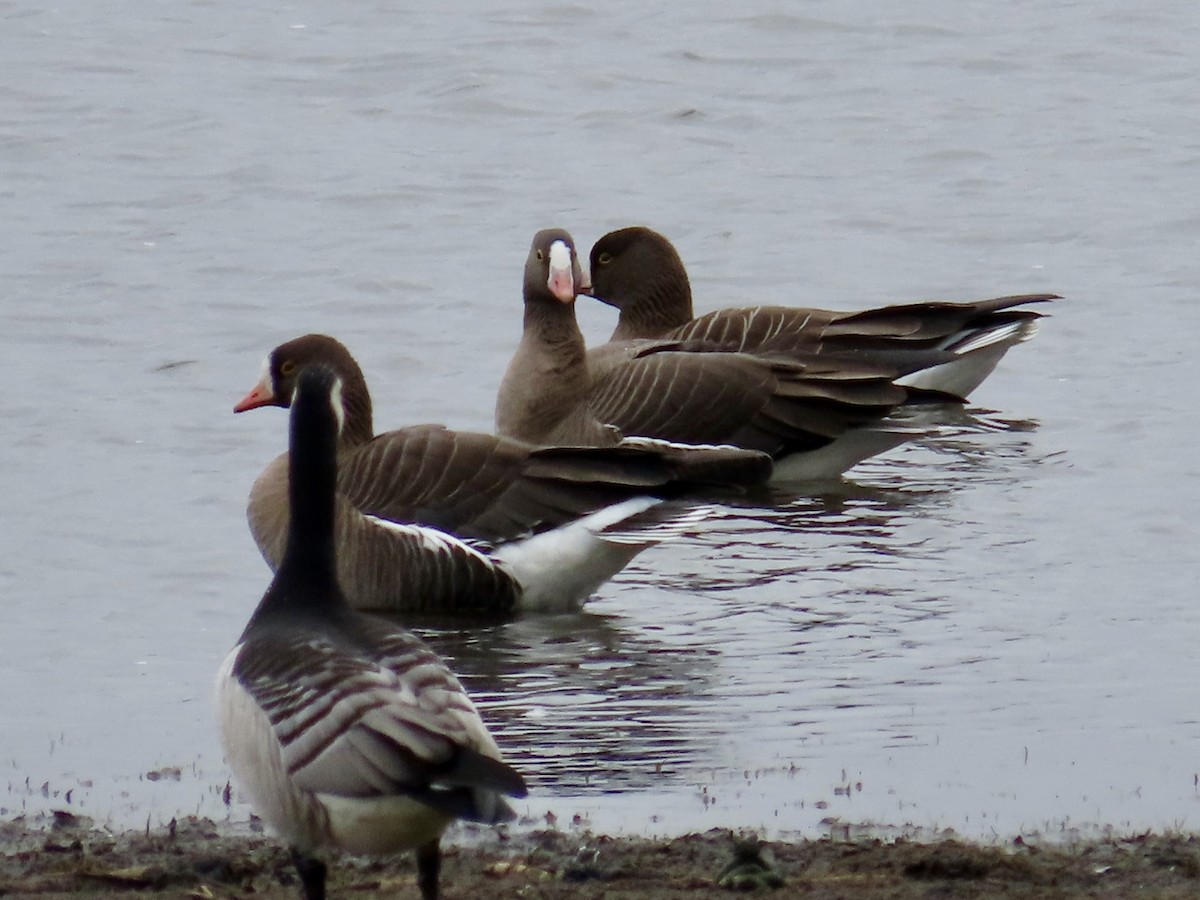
(434, 520)
(940, 346)
(556, 391)
(347, 732)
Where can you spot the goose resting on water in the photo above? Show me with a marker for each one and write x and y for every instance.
(815, 416)
(434, 520)
(945, 347)
(346, 731)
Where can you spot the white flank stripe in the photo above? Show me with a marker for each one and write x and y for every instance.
(431, 539)
(647, 443)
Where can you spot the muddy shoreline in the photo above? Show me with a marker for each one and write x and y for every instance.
(196, 858)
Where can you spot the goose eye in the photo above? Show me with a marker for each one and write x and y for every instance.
(288, 368)
(604, 259)
(541, 254)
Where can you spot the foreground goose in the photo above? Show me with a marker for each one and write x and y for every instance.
(556, 391)
(945, 347)
(347, 732)
(434, 520)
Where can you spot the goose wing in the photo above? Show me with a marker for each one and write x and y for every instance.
(391, 721)
(482, 487)
(683, 392)
(884, 333)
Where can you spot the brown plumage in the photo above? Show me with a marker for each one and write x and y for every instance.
(423, 513)
(346, 731)
(942, 346)
(555, 391)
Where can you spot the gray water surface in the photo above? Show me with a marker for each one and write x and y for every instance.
(991, 630)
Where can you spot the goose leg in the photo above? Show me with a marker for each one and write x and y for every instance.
(312, 874)
(429, 864)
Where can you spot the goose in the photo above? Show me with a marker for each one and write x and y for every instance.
(817, 417)
(942, 347)
(345, 731)
(440, 521)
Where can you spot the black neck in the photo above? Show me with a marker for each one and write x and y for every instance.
(307, 575)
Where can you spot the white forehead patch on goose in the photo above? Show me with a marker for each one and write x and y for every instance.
(560, 255)
(265, 382)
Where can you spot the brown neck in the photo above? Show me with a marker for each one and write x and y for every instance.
(321, 349)
(360, 424)
(657, 304)
(552, 326)
(547, 377)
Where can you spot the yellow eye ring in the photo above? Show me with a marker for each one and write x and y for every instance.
(288, 367)
(603, 259)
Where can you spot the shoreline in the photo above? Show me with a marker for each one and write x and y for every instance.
(199, 858)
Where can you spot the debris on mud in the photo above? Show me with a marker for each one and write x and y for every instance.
(196, 858)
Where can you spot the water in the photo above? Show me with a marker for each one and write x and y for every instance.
(992, 630)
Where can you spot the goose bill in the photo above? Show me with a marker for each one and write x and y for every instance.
(260, 395)
(562, 279)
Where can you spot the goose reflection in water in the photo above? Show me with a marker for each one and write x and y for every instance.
(586, 701)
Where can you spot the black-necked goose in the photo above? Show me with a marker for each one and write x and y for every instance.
(347, 732)
(940, 346)
(810, 412)
(434, 520)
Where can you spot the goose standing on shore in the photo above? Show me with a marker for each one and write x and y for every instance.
(434, 520)
(817, 416)
(938, 346)
(347, 732)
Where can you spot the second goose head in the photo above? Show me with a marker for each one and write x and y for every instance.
(283, 366)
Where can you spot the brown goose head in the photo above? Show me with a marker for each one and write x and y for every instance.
(282, 369)
(546, 380)
(640, 273)
(552, 271)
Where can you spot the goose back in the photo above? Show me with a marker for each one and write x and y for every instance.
(420, 510)
(640, 273)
